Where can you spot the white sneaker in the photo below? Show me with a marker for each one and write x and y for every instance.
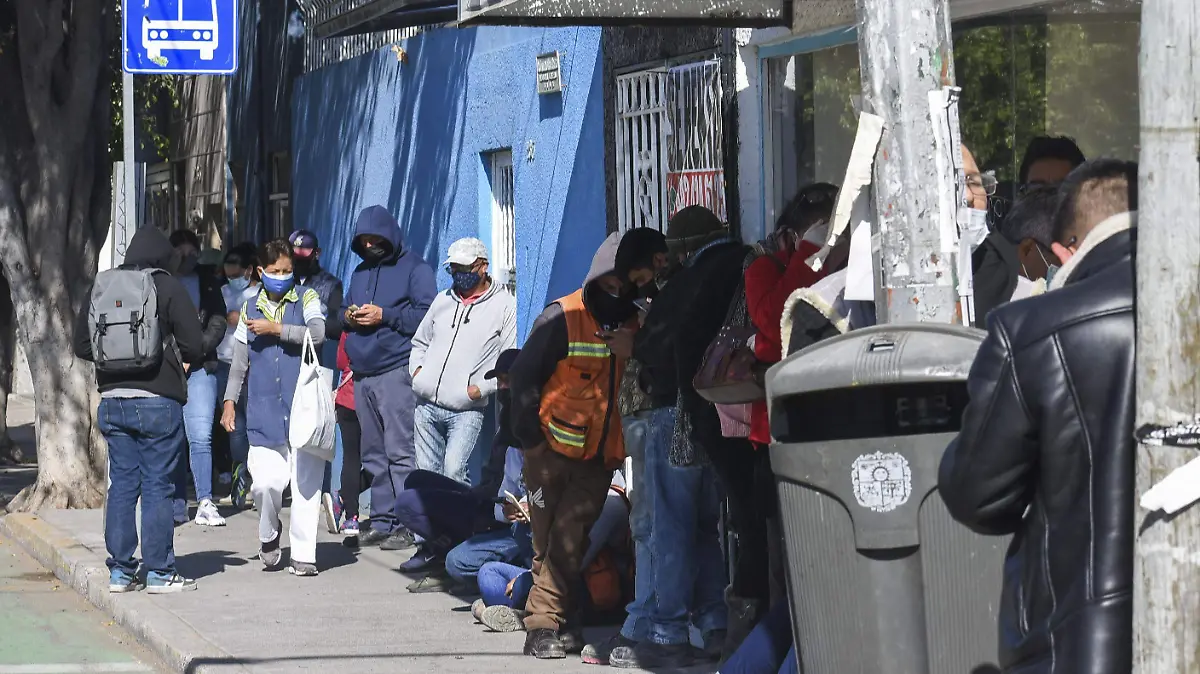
(207, 515)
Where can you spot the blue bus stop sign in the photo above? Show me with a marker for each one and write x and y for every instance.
(180, 37)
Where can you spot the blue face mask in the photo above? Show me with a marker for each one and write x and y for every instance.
(466, 280)
(239, 284)
(278, 284)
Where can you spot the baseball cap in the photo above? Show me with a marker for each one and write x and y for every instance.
(303, 242)
(466, 251)
(503, 363)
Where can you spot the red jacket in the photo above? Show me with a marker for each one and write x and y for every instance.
(770, 280)
(344, 395)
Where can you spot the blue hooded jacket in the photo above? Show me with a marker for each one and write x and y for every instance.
(402, 284)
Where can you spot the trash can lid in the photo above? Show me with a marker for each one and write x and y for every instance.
(882, 354)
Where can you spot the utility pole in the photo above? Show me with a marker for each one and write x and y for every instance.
(1166, 591)
(122, 235)
(906, 53)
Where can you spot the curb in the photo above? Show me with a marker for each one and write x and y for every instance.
(171, 638)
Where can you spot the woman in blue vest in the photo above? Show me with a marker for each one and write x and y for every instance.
(267, 350)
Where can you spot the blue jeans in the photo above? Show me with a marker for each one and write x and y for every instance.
(494, 578)
(637, 429)
(445, 439)
(768, 649)
(435, 507)
(198, 415)
(503, 545)
(684, 538)
(145, 443)
(239, 444)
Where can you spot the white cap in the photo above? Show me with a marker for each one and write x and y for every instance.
(466, 251)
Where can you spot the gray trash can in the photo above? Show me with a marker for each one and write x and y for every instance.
(881, 580)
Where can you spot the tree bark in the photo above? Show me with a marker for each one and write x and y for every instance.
(54, 199)
(8, 352)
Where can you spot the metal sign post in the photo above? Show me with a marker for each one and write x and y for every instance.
(906, 53)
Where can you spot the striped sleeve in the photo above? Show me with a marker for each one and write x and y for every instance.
(311, 302)
(241, 332)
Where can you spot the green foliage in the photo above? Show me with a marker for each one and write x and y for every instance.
(154, 97)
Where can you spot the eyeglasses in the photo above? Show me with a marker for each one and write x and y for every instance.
(983, 181)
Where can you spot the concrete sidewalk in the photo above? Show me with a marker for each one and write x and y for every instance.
(355, 617)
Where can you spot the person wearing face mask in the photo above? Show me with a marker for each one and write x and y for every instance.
(200, 410)
(390, 293)
(240, 287)
(995, 264)
(1030, 225)
(306, 263)
(268, 345)
(565, 384)
(466, 328)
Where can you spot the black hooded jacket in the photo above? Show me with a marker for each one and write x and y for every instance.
(1046, 453)
(178, 320)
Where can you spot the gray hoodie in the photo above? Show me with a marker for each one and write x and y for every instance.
(458, 343)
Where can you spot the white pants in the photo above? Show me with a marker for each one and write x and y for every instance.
(272, 468)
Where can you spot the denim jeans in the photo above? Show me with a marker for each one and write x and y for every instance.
(684, 538)
(445, 439)
(768, 649)
(239, 444)
(637, 428)
(145, 443)
(198, 416)
(494, 578)
(503, 545)
(435, 507)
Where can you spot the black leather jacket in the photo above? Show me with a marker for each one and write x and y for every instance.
(1046, 453)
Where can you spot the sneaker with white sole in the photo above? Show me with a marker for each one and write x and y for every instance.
(503, 619)
(207, 515)
(271, 554)
(330, 512)
(120, 583)
(164, 584)
(302, 569)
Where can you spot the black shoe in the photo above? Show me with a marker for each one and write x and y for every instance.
(649, 655)
(544, 644)
(402, 539)
(372, 537)
(572, 641)
(599, 653)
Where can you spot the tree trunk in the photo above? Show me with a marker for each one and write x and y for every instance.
(8, 353)
(54, 212)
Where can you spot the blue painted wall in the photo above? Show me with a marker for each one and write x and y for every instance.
(412, 136)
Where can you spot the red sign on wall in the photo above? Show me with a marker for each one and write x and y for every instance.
(696, 188)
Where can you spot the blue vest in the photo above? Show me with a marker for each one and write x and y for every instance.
(274, 370)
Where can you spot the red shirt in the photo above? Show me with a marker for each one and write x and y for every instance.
(770, 280)
(344, 395)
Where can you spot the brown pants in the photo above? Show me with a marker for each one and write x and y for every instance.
(565, 499)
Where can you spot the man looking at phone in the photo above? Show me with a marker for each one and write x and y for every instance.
(565, 385)
(390, 292)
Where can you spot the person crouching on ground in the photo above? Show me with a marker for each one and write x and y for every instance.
(268, 347)
(565, 385)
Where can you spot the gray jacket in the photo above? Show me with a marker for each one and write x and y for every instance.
(458, 343)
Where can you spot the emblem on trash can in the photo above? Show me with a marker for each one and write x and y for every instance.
(882, 482)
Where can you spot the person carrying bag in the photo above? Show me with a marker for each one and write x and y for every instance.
(289, 406)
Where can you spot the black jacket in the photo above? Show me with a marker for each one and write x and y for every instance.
(995, 268)
(178, 319)
(212, 317)
(1046, 453)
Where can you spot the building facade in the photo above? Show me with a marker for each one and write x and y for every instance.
(448, 131)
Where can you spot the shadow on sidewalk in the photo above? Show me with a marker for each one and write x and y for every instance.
(208, 563)
(209, 664)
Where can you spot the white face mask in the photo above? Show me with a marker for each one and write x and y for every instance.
(974, 225)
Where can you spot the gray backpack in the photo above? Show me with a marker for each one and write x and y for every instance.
(123, 321)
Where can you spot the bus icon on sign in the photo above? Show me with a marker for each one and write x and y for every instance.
(195, 32)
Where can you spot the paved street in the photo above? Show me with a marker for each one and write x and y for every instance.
(46, 628)
(355, 617)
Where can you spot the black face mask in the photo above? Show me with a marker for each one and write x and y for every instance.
(611, 312)
(303, 267)
(504, 397)
(375, 253)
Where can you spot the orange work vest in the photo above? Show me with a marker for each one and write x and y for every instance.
(578, 410)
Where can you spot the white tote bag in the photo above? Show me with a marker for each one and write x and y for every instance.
(313, 421)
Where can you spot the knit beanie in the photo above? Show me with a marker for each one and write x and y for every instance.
(692, 228)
